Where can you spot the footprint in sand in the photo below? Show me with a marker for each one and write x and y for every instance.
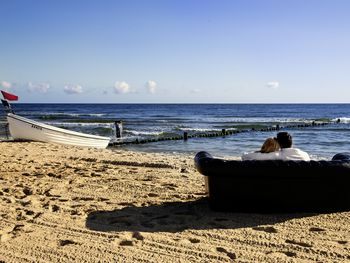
(183, 170)
(138, 236)
(82, 198)
(342, 242)
(302, 244)
(29, 212)
(11, 233)
(73, 212)
(27, 191)
(289, 253)
(194, 240)
(66, 242)
(316, 229)
(171, 185)
(54, 208)
(267, 229)
(126, 243)
(46, 192)
(231, 255)
(58, 176)
(128, 239)
(146, 180)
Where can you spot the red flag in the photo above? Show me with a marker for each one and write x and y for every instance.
(8, 96)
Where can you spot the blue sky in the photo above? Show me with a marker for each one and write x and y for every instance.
(162, 51)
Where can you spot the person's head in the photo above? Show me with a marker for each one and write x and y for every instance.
(284, 139)
(270, 145)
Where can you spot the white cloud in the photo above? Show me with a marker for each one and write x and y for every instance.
(73, 89)
(4, 84)
(151, 86)
(39, 87)
(121, 87)
(273, 84)
(195, 90)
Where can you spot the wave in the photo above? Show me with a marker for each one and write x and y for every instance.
(145, 133)
(275, 120)
(342, 120)
(78, 124)
(203, 129)
(65, 120)
(59, 115)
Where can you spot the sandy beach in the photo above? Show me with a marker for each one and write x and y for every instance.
(69, 204)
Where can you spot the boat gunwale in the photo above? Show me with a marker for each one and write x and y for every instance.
(56, 129)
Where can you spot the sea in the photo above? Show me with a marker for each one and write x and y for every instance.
(156, 121)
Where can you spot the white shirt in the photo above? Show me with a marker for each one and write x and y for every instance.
(293, 154)
(283, 154)
(260, 156)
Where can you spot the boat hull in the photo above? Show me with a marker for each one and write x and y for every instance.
(25, 129)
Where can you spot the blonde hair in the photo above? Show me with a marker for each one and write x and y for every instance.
(270, 145)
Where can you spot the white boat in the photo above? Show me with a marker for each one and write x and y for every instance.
(26, 129)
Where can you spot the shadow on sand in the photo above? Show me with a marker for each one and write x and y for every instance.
(179, 216)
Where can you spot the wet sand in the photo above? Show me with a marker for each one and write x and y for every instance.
(69, 204)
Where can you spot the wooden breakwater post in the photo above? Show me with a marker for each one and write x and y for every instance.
(118, 129)
(223, 131)
(185, 136)
(4, 127)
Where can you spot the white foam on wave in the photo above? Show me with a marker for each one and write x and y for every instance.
(257, 120)
(205, 130)
(78, 124)
(139, 133)
(342, 119)
(71, 114)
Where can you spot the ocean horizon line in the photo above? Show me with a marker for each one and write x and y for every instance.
(188, 103)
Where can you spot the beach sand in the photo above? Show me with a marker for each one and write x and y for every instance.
(69, 204)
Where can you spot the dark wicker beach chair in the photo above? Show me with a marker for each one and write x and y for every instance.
(276, 186)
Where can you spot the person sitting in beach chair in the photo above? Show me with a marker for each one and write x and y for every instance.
(287, 152)
(270, 145)
(269, 151)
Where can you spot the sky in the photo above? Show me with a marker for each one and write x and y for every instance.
(179, 51)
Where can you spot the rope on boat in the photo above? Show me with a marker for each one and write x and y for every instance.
(223, 133)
